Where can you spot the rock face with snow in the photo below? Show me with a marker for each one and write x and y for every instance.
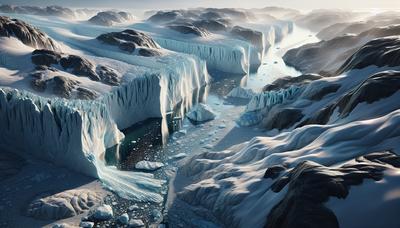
(201, 113)
(326, 57)
(131, 41)
(379, 52)
(189, 29)
(54, 10)
(110, 18)
(63, 205)
(375, 88)
(27, 34)
(310, 185)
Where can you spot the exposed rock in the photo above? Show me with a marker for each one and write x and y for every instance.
(63, 205)
(24, 32)
(79, 66)
(189, 29)
(212, 25)
(250, 35)
(109, 18)
(274, 171)
(147, 52)
(376, 87)
(62, 86)
(129, 40)
(201, 113)
(43, 57)
(282, 118)
(286, 82)
(164, 16)
(148, 165)
(379, 52)
(317, 95)
(86, 94)
(42, 11)
(108, 75)
(102, 213)
(326, 57)
(310, 185)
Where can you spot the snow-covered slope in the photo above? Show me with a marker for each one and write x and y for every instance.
(327, 56)
(229, 187)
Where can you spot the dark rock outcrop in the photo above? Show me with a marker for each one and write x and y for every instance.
(319, 94)
(24, 32)
(44, 57)
(379, 52)
(310, 185)
(326, 57)
(164, 16)
(377, 86)
(189, 29)
(286, 82)
(42, 11)
(108, 75)
(282, 118)
(77, 65)
(250, 35)
(212, 25)
(130, 40)
(109, 18)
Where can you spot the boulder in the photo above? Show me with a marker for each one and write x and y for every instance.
(102, 213)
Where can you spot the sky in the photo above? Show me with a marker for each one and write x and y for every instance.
(165, 4)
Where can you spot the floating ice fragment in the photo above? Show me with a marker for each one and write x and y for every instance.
(148, 165)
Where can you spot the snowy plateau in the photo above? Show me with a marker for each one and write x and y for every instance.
(200, 117)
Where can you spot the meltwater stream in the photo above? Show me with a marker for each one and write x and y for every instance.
(143, 141)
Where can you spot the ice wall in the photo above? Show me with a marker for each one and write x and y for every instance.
(67, 133)
(229, 59)
(266, 99)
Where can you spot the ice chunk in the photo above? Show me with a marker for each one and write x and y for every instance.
(136, 223)
(240, 92)
(148, 165)
(201, 113)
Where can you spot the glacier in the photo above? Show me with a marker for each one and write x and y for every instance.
(75, 133)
